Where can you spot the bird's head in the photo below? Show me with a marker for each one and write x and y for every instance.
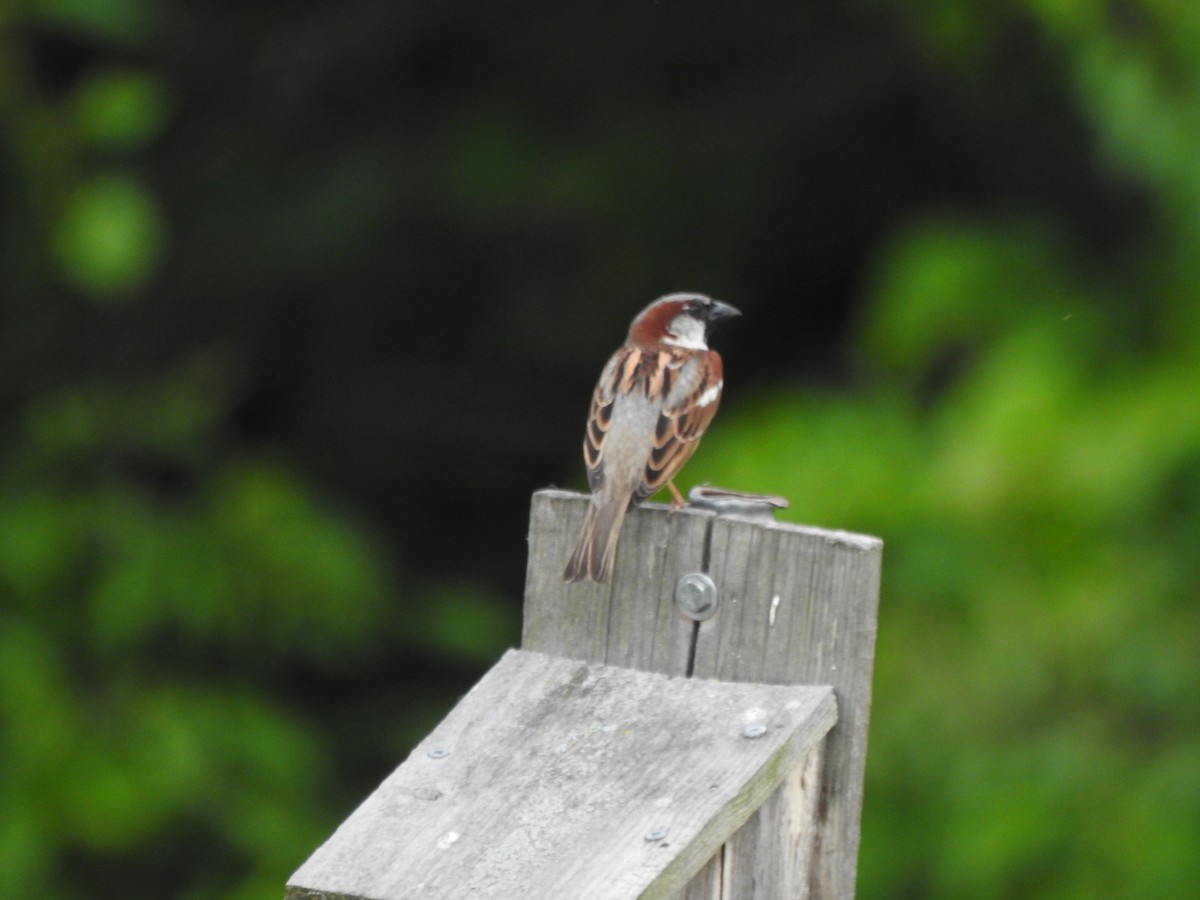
(679, 320)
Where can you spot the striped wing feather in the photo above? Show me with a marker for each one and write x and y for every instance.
(680, 425)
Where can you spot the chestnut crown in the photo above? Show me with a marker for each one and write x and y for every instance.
(681, 320)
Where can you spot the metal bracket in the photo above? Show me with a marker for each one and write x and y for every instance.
(738, 503)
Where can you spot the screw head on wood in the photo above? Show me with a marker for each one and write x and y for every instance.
(656, 834)
(438, 753)
(696, 596)
(756, 730)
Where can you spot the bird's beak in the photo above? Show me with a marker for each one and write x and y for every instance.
(719, 311)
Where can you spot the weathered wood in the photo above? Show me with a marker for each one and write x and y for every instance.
(709, 882)
(629, 620)
(797, 606)
(555, 772)
(820, 630)
(772, 855)
(559, 766)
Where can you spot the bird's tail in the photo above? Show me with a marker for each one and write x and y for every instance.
(593, 556)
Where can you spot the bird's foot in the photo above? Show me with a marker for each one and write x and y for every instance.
(677, 501)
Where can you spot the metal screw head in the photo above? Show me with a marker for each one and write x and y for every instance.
(756, 730)
(438, 753)
(696, 596)
(656, 834)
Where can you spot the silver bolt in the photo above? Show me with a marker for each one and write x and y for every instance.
(438, 753)
(754, 731)
(656, 835)
(696, 595)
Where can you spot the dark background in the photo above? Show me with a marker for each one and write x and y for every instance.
(301, 301)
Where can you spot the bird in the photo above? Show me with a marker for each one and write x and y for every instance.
(655, 398)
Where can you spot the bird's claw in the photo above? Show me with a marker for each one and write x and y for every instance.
(677, 500)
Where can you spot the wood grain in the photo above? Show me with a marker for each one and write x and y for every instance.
(798, 605)
(606, 728)
(558, 779)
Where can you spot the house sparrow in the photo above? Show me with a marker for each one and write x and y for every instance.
(653, 402)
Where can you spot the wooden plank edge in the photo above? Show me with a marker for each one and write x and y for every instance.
(852, 539)
(791, 755)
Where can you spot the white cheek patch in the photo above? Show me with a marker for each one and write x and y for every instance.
(687, 332)
(686, 343)
(710, 395)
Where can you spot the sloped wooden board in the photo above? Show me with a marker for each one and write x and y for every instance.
(554, 778)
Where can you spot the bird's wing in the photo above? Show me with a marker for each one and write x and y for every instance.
(691, 385)
(689, 409)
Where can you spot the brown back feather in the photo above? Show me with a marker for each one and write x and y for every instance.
(679, 428)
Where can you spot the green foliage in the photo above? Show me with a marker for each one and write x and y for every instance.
(467, 621)
(120, 109)
(153, 585)
(1036, 676)
(1022, 425)
(109, 239)
(121, 21)
(102, 221)
(1028, 443)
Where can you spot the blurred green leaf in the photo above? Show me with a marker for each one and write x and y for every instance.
(120, 109)
(466, 623)
(130, 21)
(111, 240)
(946, 287)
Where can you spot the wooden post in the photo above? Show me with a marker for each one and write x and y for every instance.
(629, 752)
(798, 605)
